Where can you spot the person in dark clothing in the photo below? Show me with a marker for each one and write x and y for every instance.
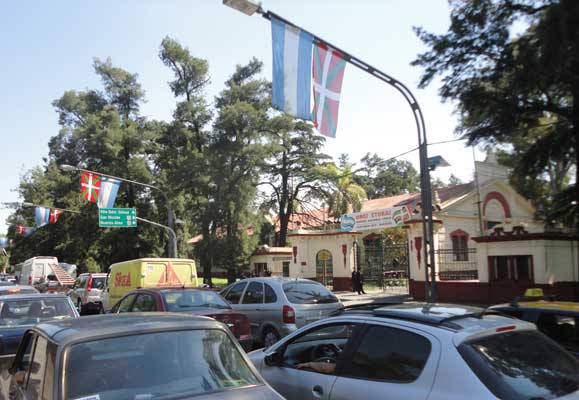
(359, 282)
(354, 281)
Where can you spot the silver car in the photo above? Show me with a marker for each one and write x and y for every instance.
(277, 307)
(419, 352)
(87, 292)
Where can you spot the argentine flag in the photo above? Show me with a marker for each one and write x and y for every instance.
(292, 69)
(42, 216)
(108, 192)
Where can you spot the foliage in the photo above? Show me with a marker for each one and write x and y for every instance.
(512, 67)
(340, 191)
(382, 178)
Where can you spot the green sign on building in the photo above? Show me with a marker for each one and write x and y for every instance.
(117, 217)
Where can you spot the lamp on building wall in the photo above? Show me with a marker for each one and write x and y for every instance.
(344, 251)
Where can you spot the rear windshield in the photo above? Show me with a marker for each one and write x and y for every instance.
(32, 311)
(184, 300)
(174, 364)
(98, 282)
(308, 293)
(522, 365)
(11, 289)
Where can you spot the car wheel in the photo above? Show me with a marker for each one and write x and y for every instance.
(269, 337)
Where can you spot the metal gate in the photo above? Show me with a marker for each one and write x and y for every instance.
(384, 266)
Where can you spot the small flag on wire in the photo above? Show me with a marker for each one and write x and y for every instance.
(328, 71)
(54, 214)
(90, 186)
(42, 216)
(292, 66)
(109, 188)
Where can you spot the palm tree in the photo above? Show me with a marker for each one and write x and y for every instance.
(341, 194)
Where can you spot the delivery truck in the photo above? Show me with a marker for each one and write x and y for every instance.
(147, 272)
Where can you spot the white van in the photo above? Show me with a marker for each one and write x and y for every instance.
(36, 270)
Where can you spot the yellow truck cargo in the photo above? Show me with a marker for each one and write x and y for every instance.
(149, 272)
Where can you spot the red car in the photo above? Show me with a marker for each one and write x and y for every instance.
(187, 300)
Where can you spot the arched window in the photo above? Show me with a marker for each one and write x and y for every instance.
(459, 245)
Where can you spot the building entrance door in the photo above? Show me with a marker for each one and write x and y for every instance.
(325, 268)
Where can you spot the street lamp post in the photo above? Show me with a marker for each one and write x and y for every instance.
(249, 8)
(169, 227)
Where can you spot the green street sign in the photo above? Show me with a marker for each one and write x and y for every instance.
(117, 217)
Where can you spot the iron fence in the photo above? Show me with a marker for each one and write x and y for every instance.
(456, 264)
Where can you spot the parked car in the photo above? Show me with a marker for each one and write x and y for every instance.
(7, 278)
(10, 288)
(19, 312)
(277, 307)
(132, 356)
(191, 301)
(418, 352)
(87, 291)
(557, 319)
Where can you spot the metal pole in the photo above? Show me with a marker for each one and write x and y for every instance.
(172, 250)
(172, 234)
(425, 189)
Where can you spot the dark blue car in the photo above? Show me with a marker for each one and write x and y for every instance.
(19, 312)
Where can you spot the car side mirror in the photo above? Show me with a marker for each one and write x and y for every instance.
(20, 376)
(273, 359)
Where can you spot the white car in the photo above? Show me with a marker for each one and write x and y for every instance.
(86, 294)
(419, 352)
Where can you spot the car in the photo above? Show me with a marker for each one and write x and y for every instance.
(132, 356)
(7, 278)
(191, 301)
(418, 351)
(87, 291)
(278, 306)
(18, 312)
(557, 319)
(10, 288)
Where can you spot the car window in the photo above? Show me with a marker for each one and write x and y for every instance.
(389, 354)
(32, 311)
(98, 282)
(172, 364)
(125, 303)
(253, 293)
(522, 365)
(24, 362)
(513, 313)
(270, 296)
(37, 367)
(144, 302)
(320, 344)
(234, 294)
(186, 300)
(561, 328)
(308, 293)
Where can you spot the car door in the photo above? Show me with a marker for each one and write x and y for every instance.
(389, 363)
(28, 373)
(304, 384)
(124, 305)
(251, 305)
(233, 296)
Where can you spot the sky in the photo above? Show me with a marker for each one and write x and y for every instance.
(49, 47)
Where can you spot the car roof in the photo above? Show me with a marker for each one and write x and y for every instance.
(277, 279)
(107, 325)
(32, 296)
(98, 274)
(171, 288)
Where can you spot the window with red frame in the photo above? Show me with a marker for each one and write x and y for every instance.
(459, 245)
(511, 268)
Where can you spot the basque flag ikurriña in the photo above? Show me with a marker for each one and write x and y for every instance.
(90, 185)
(328, 71)
(292, 74)
(42, 216)
(109, 188)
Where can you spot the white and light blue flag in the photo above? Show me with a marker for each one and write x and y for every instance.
(108, 192)
(42, 216)
(292, 69)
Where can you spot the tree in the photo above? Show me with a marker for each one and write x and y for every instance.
(520, 89)
(340, 191)
(290, 173)
(453, 180)
(382, 178)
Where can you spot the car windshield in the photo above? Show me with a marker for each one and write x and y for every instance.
(308, 293)
(32, 311)
(522, 365)
(183, 300)
(156, 365)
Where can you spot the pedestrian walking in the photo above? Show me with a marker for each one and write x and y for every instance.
(359, 282)
(354, 281)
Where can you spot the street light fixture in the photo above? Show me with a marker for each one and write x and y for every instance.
(172, 237)
(248, 7)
